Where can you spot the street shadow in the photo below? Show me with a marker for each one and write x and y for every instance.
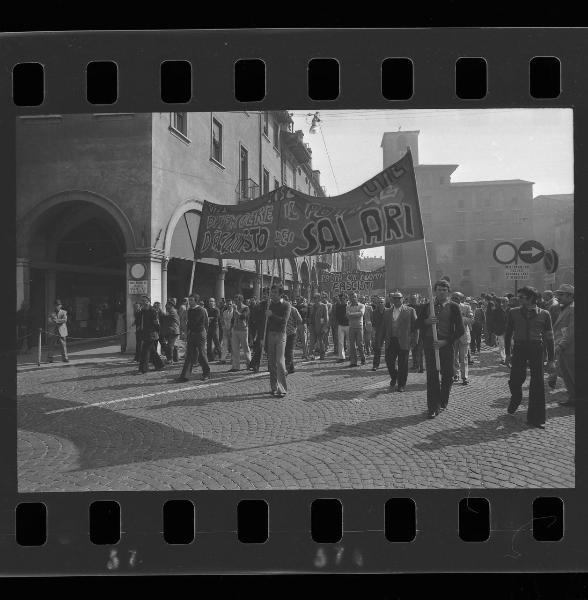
(198, 402)
(482, 431)
(368, 428)
(107, 438)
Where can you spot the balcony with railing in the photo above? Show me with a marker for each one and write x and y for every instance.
(247, 190)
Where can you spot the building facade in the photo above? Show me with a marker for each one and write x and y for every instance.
(108, 208)
(463, 222)
(553, 226)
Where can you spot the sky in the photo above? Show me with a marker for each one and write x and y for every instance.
(531, 144)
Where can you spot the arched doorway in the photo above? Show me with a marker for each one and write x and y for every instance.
(75, 245)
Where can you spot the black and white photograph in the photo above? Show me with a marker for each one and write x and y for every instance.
(295, 299)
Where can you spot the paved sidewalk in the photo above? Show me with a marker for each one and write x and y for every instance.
(94, 424)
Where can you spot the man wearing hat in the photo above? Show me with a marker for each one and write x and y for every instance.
(57, 332)
(563, 334)
(401, 334)
(462, 344)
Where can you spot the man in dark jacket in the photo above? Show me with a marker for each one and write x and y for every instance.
(257, 323)
(450, 328)
(149, 327)
(196, 352)
(212, 337)
(171, 331)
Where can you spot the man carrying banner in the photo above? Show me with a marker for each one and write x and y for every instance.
(450, 327)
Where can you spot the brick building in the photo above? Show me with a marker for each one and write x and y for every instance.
(463, 222)
(108, 207)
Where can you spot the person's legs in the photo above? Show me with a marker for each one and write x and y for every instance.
(289, 352)
(433, 386)
(518, 374)
(340, 348)
(402, 367)
(536, 409)
(335, 332)
(271, 360)
(463, 360)
(353, 341)
(378, 341)
(566, 369)
(189, 358)
(155, 357)
(360, 345)
(304, 340)
(145, 355)
(501, 349)
(447, 361)
(280, 345)
(63, 348)
(137, 346)
(246, 349)
(391, 357)
(202, 361)
(236, 350)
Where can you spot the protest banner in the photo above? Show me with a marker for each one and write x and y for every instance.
(353, 281)
(286, 223)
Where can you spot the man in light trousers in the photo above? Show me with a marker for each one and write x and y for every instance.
(355, 312)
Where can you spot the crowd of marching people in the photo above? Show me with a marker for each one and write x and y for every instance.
(529, 330)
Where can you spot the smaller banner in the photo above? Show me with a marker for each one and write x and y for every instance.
(353, 281)
(517, 272)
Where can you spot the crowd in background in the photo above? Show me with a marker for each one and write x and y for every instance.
(529, 330)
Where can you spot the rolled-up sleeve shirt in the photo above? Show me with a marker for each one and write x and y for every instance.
(529, 325)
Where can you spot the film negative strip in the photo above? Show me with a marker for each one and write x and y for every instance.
(110, 470)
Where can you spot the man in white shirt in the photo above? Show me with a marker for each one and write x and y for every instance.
(355, 312)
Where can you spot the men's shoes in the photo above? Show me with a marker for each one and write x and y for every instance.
(341, 360)
(511, 409)
(205, 376)
(182, 379)
(352, 365)
(442, 407)
(374, 368)
(279, 394)
(392, 383)
(465, 381)
(503, 363)
(231, 370)
(432, 414)
(456, 378)
(255, 369)
(538, 425)
(272, 392)
(290, 370)
(363, 361)
(400, 388)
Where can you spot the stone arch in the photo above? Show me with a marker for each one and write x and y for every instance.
(33, 219)
(191, 205)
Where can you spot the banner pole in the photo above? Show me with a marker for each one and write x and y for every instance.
(431, 298)
(39, 348)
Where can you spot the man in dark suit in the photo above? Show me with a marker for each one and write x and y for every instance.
(401, 334)
(197, 333)
(149, 327)
(450, 327)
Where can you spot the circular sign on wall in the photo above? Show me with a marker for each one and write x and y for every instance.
(505, 253)
(531, 251)
(551, 261)
(138, 271)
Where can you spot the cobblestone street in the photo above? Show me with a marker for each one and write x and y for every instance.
(93, 424)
